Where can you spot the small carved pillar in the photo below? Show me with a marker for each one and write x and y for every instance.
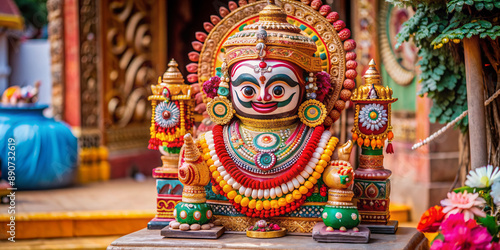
(372, 126)
(172, 118)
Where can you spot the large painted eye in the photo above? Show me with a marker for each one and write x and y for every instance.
(248, 92)
(278, 91)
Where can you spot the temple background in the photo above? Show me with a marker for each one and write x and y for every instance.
(105, 54)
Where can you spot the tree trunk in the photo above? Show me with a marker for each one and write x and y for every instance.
(475, 102)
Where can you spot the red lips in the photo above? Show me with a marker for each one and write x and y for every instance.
(264, 107)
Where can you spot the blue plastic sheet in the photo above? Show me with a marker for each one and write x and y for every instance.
(46, 151)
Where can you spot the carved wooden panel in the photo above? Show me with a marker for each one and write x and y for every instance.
(56, 38)
(133, 55)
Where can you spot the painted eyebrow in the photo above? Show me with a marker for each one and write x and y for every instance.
(282, 77)
(245, 77)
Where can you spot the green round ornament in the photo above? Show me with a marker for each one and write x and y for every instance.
(337, 216)
(193, 213)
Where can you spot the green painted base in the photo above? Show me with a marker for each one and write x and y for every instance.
(193, 213)
(336, 217)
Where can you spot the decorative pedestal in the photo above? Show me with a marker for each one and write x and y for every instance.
(372, 189)
(320, 234)
(405, 238)
(169, 191)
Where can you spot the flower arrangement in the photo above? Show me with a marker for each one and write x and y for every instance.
(469, 218)
(263, 226)
(211, 86)
(323, 83)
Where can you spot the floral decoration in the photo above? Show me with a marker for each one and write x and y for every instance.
(495, 193)
(431, 220)
(470, 216)
(167, 114)
(482, 177)
(460, 233)
(323, 83)
(466, 203)
(373, 116)
(211, 86)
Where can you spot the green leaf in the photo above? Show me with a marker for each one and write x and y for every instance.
(490, 223)
(485, 24)
(479, 6)
(469, 189)
(489, 6)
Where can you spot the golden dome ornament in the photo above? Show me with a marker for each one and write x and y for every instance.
(312, 113)
(220, 110)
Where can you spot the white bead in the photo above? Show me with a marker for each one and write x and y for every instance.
(290, 186)
(260, 193)
(300, 179)
(272, 193)
(242, 190)
(266, 193)
(316, 155)
(248, 192)
(322, 144)
(213, 153)
(236, 185)
(308, 169)
(223, 173)
(210, 141)
(304, 174)
(217, 163)
(295, 183)
(231, 181)
(227, 177)
(284, 188)
(315, 160)
(221, 169)
(211, 147)
(279, 192)
(255, 194)
(310, 164)
(319, 151)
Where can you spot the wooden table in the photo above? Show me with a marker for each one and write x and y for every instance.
(405, 238)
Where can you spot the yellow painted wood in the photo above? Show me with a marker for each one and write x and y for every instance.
(71, 224)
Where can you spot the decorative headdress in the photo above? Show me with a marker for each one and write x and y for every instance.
(272, 37)
(312, 37)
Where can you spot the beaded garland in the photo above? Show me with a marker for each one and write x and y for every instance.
(271, 197)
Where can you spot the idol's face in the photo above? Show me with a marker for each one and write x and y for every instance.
(275, 93)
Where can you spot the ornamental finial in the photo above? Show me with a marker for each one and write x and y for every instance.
(172, 75)
(372, 76)
(191, 152)
(270, 2)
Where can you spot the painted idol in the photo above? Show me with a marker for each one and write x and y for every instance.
(275, 78)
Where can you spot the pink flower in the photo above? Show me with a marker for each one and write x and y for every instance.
(323, 84)
(211, 86)
(463, 234)
(463, 203)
